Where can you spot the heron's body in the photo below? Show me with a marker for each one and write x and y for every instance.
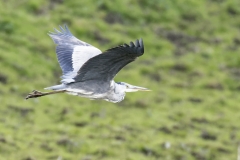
(87, 72)
(112, 93)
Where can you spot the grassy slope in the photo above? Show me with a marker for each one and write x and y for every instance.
(191, 62)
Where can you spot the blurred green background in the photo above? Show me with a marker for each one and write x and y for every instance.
(191, 62)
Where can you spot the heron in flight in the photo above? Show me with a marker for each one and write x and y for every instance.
(88, 72)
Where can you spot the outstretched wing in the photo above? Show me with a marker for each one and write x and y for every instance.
(72, 53)
(105, 66)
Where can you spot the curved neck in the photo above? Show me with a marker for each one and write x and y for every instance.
(117, 93)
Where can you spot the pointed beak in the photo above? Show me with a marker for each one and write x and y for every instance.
(136, 88)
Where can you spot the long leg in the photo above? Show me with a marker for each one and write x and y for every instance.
(35, 94)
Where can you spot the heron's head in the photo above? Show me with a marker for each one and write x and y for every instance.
(131, 88)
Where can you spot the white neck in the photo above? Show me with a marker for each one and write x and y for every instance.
(117, 92)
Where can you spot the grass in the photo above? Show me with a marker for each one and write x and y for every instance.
(191, 63)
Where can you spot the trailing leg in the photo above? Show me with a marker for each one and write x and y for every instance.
(35, 94)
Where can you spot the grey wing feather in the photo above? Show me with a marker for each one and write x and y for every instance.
(71, 52)
(64, 36)
(104, 67)
(64, 54)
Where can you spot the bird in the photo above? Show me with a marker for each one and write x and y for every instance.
(87, 71)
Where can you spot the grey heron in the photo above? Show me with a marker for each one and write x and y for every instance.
(88, 72)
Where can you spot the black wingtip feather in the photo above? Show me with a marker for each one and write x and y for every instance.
(137, 43)
(125, 45)
(141, 45)
(132, 44)
(137, 47)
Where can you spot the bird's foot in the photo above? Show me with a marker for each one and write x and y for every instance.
(34, 94)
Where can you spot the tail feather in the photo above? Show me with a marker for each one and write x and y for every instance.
(57, 87)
